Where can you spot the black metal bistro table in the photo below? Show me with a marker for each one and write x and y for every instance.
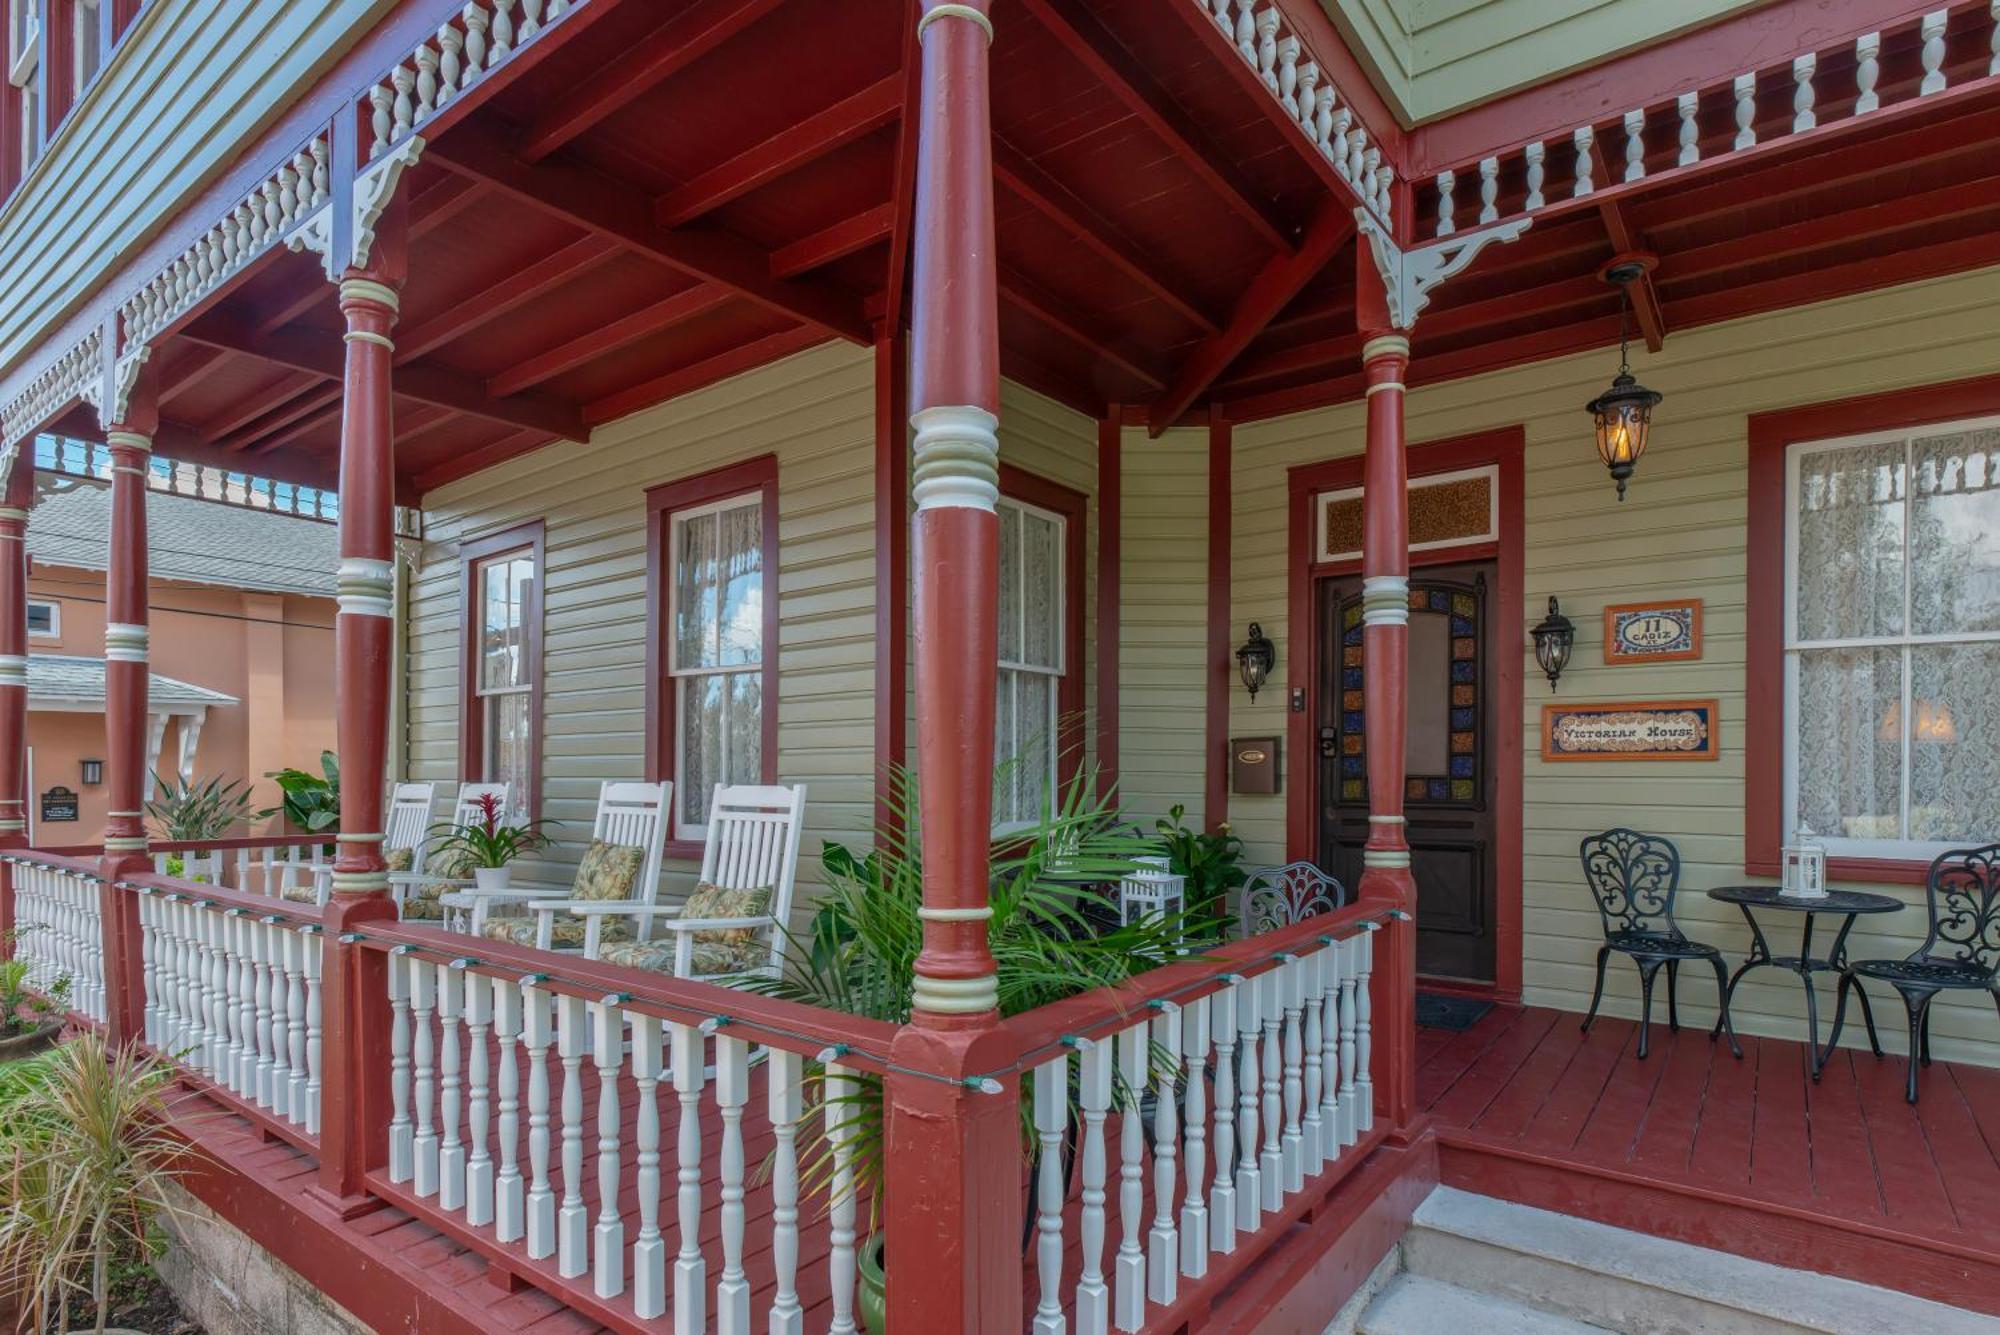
(1849, 904)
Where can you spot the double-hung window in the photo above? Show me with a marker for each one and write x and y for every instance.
(716, 651)
(505, 686)
(1892, 640)
(1033, 618)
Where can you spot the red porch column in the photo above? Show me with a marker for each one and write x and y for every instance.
(14, 508)
(127, 654)
(354, 1125)
(1385, 601)
(954, 1207)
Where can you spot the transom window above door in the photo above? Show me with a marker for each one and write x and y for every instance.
(1892, 640)
(717, 649)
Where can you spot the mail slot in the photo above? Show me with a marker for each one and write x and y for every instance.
(1253, 765)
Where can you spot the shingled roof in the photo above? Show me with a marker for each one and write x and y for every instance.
(201, 542)
(62, 677)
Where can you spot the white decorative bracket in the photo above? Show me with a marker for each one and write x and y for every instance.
(1409, 275)
(316, 235)
(373, 190)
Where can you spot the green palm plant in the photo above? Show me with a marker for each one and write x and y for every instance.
(88, 1162)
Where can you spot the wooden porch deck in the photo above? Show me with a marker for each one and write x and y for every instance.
(1747, 1156)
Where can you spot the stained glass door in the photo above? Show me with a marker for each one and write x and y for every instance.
(1448, 791)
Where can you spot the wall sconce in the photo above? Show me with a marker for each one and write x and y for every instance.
(1255, 660)
(93, 773)
(1554, 638)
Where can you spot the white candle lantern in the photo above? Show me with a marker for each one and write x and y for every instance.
(1802, 871)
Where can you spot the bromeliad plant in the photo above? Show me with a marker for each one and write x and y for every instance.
(186, 813)
(312, 801)
(489, 841)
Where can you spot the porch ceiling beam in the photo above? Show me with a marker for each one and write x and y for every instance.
(316, 398)
(733, 361)
(608, 338)
(488, 301)
(287, 387)
(1071, 23)
(1645, 300)
(1280, 280)
(847, 120)
(187, 372)
(608, 209)
(1025, 294)
(1865, 223)
(837, 242)
(674, 45)
(1061, 206)
(322, 356)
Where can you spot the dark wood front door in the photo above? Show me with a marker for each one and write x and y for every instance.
(1448, 795)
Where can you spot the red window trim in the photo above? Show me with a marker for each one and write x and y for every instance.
(662, 503)
(1017, 484)
(1771, 434)
(530, 537)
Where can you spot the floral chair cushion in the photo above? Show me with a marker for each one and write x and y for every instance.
(568, 932)
(451, 862)
(608, 871)
(400, 859)
(707, 958)
(712, 901)
(300, 894)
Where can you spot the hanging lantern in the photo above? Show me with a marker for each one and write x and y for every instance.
(1624, 412)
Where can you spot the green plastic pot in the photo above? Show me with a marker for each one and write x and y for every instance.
(874, 1283)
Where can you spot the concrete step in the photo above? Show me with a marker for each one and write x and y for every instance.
(1631, 1282)
(1415, 1305)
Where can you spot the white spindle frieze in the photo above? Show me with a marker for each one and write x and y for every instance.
(482, 36)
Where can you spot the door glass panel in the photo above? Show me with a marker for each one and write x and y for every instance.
(1429, 699)
(1443, 701)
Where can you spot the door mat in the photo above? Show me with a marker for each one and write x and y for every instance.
(1437, 1011)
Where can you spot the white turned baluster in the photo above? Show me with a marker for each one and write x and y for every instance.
(1291, 982)
(1746, 110)
(649, 1252)
(1051, 1121)
(531, 18)
(536, 1031)
(1368, 181)
(1357, 153)
(1312, 1149)
(313, 957)
(841, 1092)
(508, 1189)
(1246, 31)
(1271, 1163)
(451, 1149)
(1129, 1303)
(296, 946)
(1163, 1244)
(1249, 1024)
(1308, 108)
(475, 40)
(607, 1052)
(1267, 48)
(1094, 1096)
(1688, 104)
(1338, 150)
(230, 994)
(1867, 70)
(1323, 117)
(1635, 145)
(1194, 1206)
(786, 1080)
(149, 966)
(732, 1092)
(1350, 1120)
(1584, 137)
(427, 82)
(503, 31)
(247, 973)
(423, 997)
(403, 108)
(1222, 1197)
(1533, 154)
(1489, 189)
(1364, 1031)
(1802, 92)
(1219, 11)
(572, 1216)
(1329, 1037)
(1445, 224)
(1932, 33)
(380, 123)
(478, 1108)
(276, 1080)
(1287, 83)
(690, 1270)
(451, 61)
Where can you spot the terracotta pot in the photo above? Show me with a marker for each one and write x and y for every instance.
(30, 1043)
(492, 878)
(874, 1284)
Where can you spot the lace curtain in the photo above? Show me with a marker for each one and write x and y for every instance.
(1896, 637)
(1031, 662)
(718, 642)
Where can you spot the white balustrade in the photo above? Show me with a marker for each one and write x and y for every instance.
(482, 36)
(1635, 145)
(1690, 133)
(56, 915)
(1446, 223)
(1583, 141)
(1868, 71)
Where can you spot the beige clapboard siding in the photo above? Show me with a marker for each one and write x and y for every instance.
(1681, 533)
(1163, 623)
(814, 411)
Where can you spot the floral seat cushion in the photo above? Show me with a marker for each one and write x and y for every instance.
(452, 863)
(707, 959)
(567, 934)
(608, 871)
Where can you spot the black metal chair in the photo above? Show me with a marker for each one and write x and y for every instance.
(1961, 952)
(1633, 877)
(1275, 897)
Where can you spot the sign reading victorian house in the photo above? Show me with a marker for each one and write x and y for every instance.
(1662, 730)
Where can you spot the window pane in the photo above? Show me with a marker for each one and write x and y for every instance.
(507, 733)
(746, 728)
(742, 575)
(1955, 533)
(41, 618)
(1955, 742)
(694, 578)
(1850, 552)
(1041, 550)
(1850, 743)
(1010, 582)
(501, 648)
(1004, 782)
(1038, 739)
(700, 765)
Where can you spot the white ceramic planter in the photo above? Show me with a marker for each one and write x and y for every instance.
(491, 878)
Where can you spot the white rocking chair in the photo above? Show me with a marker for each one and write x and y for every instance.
(407, 826)
(628, 814)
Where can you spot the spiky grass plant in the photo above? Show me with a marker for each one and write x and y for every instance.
(88, 1161)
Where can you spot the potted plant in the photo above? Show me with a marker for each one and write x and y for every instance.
(29, 1021)
(1210, 861)
(1049, 884)
(86, 1166)
(190, 813)
(311, 801)
(489, 844)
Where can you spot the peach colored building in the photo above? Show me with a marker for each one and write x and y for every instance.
(242, 670)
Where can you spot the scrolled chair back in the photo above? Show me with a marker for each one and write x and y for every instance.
(1964, 893)
(1275, 897)
(1633, 877)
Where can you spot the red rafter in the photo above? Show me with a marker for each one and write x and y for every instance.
(1274, 286)
(674, 45)
(607, 338)
(1079, 32)
(721, 366)
(491, 300)
(1645, 300)
(793, 147)
(833, 243)
(1026, 294)
(315, 398)
(249, 407)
